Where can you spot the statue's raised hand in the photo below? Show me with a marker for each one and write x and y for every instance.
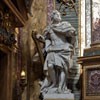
(40, 37)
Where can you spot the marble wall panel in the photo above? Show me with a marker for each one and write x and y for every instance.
(82, 27)
(95, 21)
(88, 23)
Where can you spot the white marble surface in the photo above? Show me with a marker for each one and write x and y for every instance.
(88, 23)
(52, 94)
(82, 37)
(69, 96)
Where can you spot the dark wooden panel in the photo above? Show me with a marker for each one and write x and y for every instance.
(3, 76)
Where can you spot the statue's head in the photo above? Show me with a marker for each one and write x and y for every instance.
(55, 16)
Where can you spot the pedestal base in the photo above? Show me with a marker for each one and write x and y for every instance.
(90, 76)
(93, 51)
(55, 96)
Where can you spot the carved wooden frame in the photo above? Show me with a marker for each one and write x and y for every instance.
(15, 11)
(9, 84)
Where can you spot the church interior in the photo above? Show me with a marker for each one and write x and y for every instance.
(21, 56)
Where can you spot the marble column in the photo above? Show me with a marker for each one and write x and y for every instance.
(92, 28)
(82, 32)
(88, 23)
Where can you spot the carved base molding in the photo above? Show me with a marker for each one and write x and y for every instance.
(93, 51)
(95, 44)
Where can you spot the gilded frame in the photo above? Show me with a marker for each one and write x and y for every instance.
(15, 11)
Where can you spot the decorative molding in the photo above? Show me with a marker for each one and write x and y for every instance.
(91, 75)
(15, 11)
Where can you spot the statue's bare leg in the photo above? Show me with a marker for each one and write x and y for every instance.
(51, 72)
(46, 83)
(64, 85)
(66, 79)
(61, 81)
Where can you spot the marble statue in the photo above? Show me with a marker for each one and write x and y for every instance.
(59, 37)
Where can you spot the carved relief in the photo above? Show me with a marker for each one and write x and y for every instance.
(93, 83)
(7, 32)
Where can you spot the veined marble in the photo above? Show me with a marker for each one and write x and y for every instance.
(82, 37)
(88, 23)
(96, 21)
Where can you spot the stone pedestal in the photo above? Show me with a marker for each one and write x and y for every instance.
(56, 96)
(91, 73)
(93, 51)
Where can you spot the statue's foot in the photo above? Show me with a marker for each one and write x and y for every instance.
(59, 90)
(67, 91)
(53, 85)
(45, 90)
